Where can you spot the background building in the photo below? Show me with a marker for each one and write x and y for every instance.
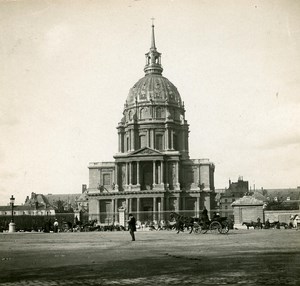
(235, 191)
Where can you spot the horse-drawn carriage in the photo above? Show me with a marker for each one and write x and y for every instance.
(201, 224)
(217, 224)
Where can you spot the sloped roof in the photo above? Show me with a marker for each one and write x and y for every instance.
(51, 199)
(259, 196)
(293, 194)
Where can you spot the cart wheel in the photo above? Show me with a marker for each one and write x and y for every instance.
(215, 227)
(200, 229)
(197, 229)
(225, 227)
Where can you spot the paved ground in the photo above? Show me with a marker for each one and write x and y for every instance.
(243, 257)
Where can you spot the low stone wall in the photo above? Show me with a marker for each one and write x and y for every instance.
(281, 216)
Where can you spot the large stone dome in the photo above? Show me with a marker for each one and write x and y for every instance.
(155, 88)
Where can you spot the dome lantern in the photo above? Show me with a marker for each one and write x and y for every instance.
(153, 58)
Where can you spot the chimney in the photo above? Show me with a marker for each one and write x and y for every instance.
(83, 188)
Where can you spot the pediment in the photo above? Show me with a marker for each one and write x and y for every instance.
(146, 152)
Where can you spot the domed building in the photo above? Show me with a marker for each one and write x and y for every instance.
(152, 173)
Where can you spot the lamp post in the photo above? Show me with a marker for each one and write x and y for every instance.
(12, 225)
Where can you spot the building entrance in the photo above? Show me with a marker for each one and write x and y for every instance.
(146, 176)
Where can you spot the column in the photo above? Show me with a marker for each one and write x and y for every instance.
(153, 173)
(112, 214)
(158, 174)
(116, 177)
(116, 211)
(130, 173)
(130, 205)
(152, 139)
(176, 172)
(177, 175)
(138, 208)
(162, 172)
(126, 178)
(127, 205)
(154, 209)
(138, 173)
(119, 142)
(167, 174)
(168, 139)
(172, 139)
(148, 138)
(132, 140)
(198, 207)
(162, 208)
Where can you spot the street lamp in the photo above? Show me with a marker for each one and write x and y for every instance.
(12, 225)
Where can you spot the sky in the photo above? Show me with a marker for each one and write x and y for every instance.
(66, 69)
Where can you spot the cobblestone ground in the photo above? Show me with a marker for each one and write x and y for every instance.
(253, 257)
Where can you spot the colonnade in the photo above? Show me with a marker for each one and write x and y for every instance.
(160, 171)
(159, 208)
(128, 140)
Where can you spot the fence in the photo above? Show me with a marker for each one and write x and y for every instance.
(144, 217)
(39, 222)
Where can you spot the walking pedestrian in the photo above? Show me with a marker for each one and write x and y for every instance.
(55, 225)
(132, 226)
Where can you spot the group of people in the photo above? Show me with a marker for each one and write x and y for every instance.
(132, 222)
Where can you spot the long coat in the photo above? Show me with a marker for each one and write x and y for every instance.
(131, 224)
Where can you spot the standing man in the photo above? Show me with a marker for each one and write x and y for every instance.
(131, 226)
(205, 214)
(55, 225)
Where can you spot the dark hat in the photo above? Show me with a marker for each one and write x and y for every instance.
(130, 215)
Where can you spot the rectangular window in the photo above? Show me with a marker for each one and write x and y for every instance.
(106, 179)
(159, 142)
(142, 141)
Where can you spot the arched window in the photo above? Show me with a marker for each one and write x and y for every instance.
(175, 143)
(142, 113)
(127, 143)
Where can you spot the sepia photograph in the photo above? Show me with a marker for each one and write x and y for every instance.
(149, 142)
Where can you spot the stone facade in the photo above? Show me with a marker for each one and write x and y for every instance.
(247, 209)
(152, 173)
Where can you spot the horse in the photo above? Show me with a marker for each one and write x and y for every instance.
(183, 221)
(90, 225)
(253, 224)
(249, 224)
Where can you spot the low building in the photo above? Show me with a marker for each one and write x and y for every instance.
(247, 209)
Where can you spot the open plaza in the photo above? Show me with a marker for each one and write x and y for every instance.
(241, 257)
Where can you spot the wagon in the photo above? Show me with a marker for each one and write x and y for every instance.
(216, 225)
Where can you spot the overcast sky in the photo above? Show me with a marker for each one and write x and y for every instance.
(67, 67)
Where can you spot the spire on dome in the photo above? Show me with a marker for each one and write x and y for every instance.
(153, 48)
(153, 64)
